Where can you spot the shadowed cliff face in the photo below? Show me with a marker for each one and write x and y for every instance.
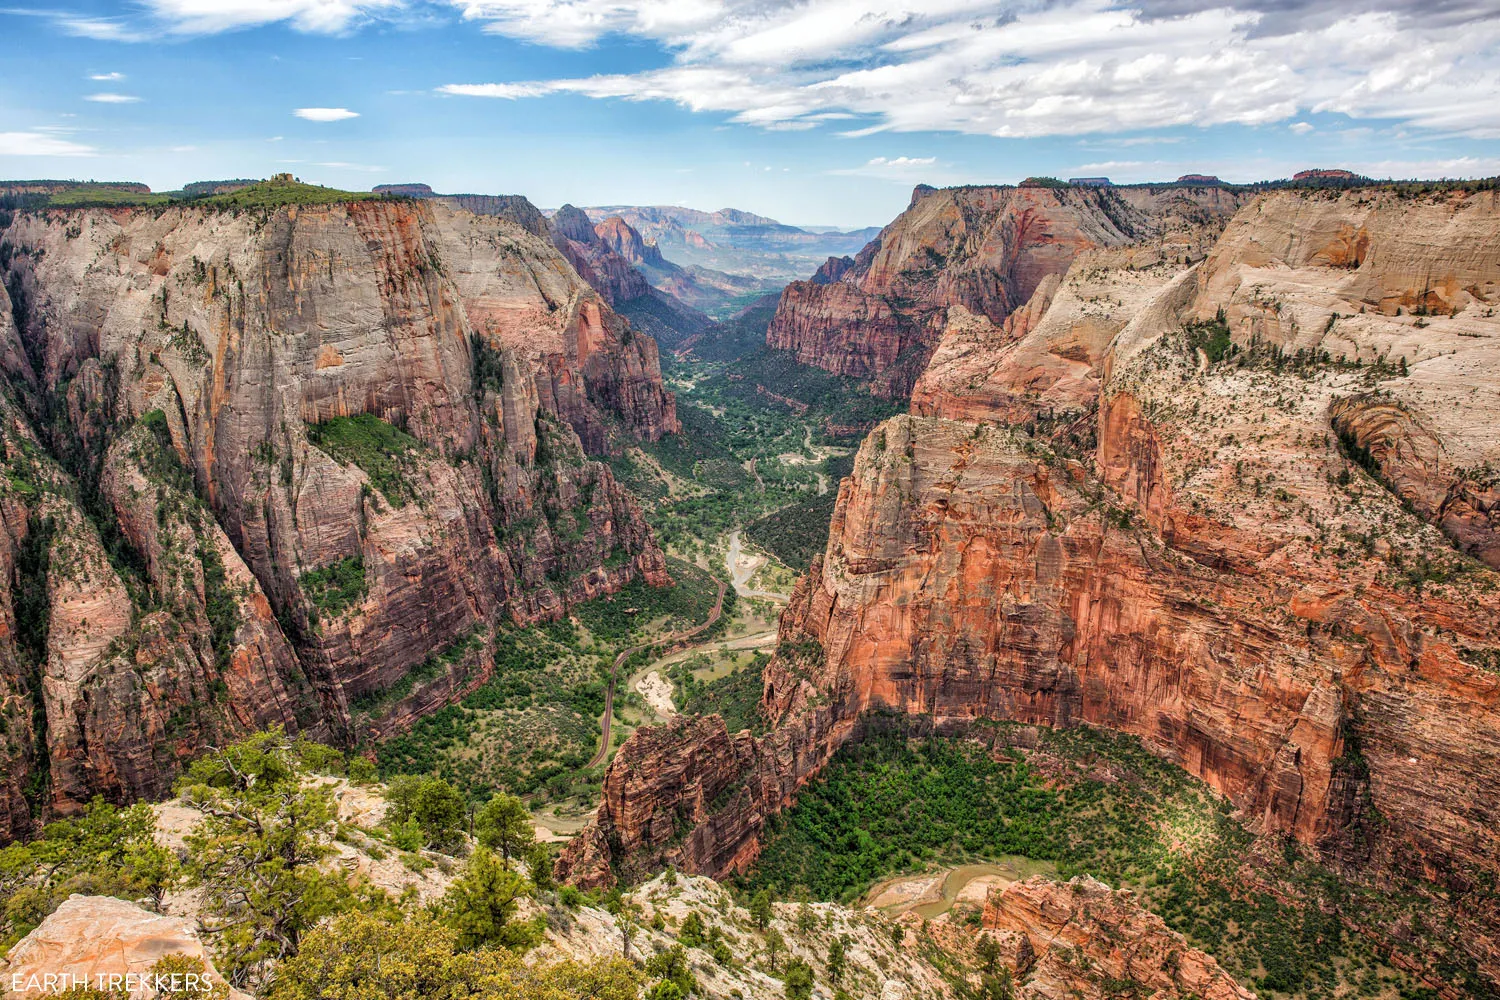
(983, 250)
(1231, 507)
(260, 464)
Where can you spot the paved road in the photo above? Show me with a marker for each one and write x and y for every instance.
(666, 643)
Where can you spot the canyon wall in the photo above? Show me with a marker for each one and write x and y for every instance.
(985, 250)
(194, 544)
(1238, 507)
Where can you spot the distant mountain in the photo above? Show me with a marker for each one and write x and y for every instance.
(736, 242)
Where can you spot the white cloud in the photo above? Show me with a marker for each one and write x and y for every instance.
(199, 17)
(1300, 128)
(325, 114)
(101, 29)
(506, 91)
(40, 144)
(1040, 67)
(113, 98)
(894, 168)
(107, 77)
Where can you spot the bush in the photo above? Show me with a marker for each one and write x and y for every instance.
(432, 804)
(383, 451)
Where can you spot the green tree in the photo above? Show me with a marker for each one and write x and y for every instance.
(805, 918)
(481, 904)
(997, 987)
(388, 956)
(503, 824)
(431, 803)
(539, 863)
(989, 952)
(255, 853)
(775, 944)
(671, 966)
(628, 919)
(362, 771)
(838, 957)
(799, 980)
(691, 933)
(103, 851)
(760, 908)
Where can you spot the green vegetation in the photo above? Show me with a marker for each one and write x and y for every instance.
(639, 611)
(281, 191)
(337, 587)
(284, 921)
(1091, 802)
(799, 533)
(435, 665)
(387, 955)
(383, 451)
(1212, 338)
(740, 335)
(528, 728)
(104, 196)
(735, 696)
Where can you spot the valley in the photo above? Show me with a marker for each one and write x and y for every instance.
(1072, 592)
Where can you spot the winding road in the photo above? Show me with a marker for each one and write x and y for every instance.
(666, 642)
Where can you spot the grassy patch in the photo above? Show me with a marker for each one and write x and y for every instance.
(735, 695)
(337, 587)
(382, 450)
(640, 611)
(276, 193)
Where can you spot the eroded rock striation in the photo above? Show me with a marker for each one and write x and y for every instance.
(1081, 939)
(263, 465)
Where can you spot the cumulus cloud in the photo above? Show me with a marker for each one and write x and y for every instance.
(40, 144)
(113, 98)
(325, 114)
(1300, 128)
(1040, 67)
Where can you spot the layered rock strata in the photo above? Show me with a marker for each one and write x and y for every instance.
(1079, 938)
(1237, 508)
(194, 544)
(985, 250)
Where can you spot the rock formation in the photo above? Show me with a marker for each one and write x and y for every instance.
(261, 464)
(1079, 939)
(1236, 507)
(612, 257)
(984, 249)
(89, 937)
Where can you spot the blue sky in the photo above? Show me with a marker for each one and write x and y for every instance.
(813, 111)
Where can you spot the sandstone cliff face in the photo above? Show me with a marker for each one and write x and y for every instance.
(984, 249)
(1079, 938)
(1142, 516)
(168, 374)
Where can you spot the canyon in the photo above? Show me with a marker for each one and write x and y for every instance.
(263, 463)
(985, 250)
(1225, 484)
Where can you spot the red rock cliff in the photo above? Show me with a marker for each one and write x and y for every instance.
(985, 249)
(160, 568)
